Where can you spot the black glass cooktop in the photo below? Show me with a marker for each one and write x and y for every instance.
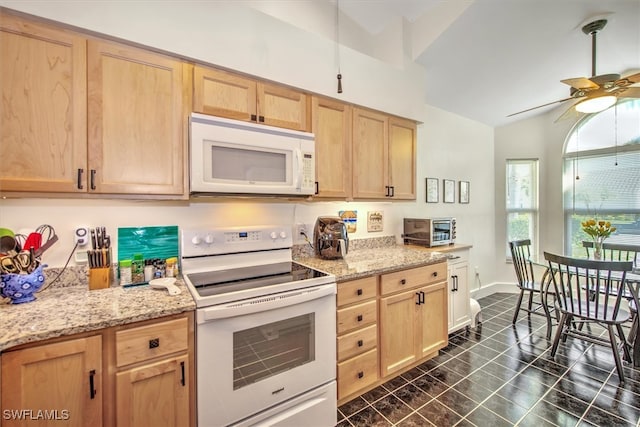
(238, 279)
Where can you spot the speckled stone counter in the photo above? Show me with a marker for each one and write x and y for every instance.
(67, 310)
(367, 262)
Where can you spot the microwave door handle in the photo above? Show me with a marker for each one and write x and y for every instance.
(298, 172)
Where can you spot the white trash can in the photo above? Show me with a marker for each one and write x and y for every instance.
(476, 313)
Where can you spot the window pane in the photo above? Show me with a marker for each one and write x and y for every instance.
(520, 226)
(521, 184)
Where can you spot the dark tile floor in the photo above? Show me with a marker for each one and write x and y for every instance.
(500, 374)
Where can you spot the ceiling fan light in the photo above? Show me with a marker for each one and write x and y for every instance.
(595, 105)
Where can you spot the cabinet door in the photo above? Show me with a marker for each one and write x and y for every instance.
(332, 128)
(459, 311)
(282, 107)
(402, 158)
(43, 133)
(64, 379)
(399, 331)
(433, 314)
(136, 121)
(154, 395)
(224, 94)
(370, 154)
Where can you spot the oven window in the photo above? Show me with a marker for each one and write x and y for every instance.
(236, 164)
(267, 350)
(441, 230)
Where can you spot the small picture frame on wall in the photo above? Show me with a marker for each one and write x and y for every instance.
(464, 192)
(449, 193)
(432, 190)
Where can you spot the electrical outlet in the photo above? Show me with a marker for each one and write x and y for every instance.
(81, 236)
(301, 230)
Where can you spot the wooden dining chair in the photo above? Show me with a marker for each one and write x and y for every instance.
(521, 256)
(620, 252)
(589, 291)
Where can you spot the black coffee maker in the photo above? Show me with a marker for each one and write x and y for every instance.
(330, 237)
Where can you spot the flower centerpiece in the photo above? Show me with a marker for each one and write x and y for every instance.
(598, 231)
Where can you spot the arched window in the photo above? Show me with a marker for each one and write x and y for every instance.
(601, 176)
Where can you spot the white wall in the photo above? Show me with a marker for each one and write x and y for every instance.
(449, 146)
(535, 138)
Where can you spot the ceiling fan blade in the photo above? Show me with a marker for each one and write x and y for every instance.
(630, 92)
(540, 106)
(569, 112)
(580, 83)
(628, 80)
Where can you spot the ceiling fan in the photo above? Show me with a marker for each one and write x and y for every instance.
(598, 92)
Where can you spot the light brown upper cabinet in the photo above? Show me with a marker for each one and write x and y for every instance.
(88, 116)
(136, 121)
(43, 125)
(332, 129)
(384, 156)
(230, 95)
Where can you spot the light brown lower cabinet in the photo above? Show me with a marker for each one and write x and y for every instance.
(388, 324)
(139, 375)
(54, 384)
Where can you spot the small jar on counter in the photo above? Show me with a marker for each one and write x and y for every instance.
(125, 272)
(149, 270)
(172, 266)
(161, 267)
(137, 268)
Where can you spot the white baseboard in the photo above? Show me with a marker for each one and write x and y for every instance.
(493, 288)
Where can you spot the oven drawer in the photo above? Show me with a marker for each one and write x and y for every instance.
(357, 373)
(357, 316)
(356, 290)
(357, 342)
(150, 341)
(411, 278)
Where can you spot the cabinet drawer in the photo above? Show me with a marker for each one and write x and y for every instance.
(357, 373)
(357, 342)
(357, 316)
(411, 278)
(356, 290)
(149, 341)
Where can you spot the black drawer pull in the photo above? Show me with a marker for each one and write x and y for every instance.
(403, 281)
(360, 374)
(92, 390)
(359, 317)
(93, 179)
(80, 172)
(254, 118)
(359, 292)
(154, 343)
(261, 119)
(360, 343)
(182, 381)
(434, 274)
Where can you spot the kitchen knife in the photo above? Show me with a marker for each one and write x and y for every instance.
(93, 238)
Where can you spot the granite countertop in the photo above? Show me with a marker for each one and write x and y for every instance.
(367, 262)
(59, 311)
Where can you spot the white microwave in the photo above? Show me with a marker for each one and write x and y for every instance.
(235, 157)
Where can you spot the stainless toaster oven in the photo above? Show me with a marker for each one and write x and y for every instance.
(429, 232)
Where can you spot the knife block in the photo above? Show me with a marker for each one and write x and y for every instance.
(99, 278)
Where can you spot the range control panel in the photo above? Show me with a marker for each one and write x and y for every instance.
(220, 241)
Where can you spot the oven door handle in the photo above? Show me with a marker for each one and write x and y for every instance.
(265, 303)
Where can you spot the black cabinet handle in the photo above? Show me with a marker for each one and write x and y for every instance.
(261, 119)
(403, 281)
(418, 301)
(434, 274)
(182, 381)
(92, 390)
(154, 343)
(387, 192)
(254, 118)
(393, 191)
(80, 172)
(421, 297)
(359, 317)
(317, 188)
(360, 374)
(359, 292)
(360, 343)
(93, 179)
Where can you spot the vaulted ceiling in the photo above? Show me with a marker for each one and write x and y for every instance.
(486, 59)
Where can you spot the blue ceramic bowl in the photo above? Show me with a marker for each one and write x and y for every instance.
(21, 287)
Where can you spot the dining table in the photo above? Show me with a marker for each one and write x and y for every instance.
(632, 277)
